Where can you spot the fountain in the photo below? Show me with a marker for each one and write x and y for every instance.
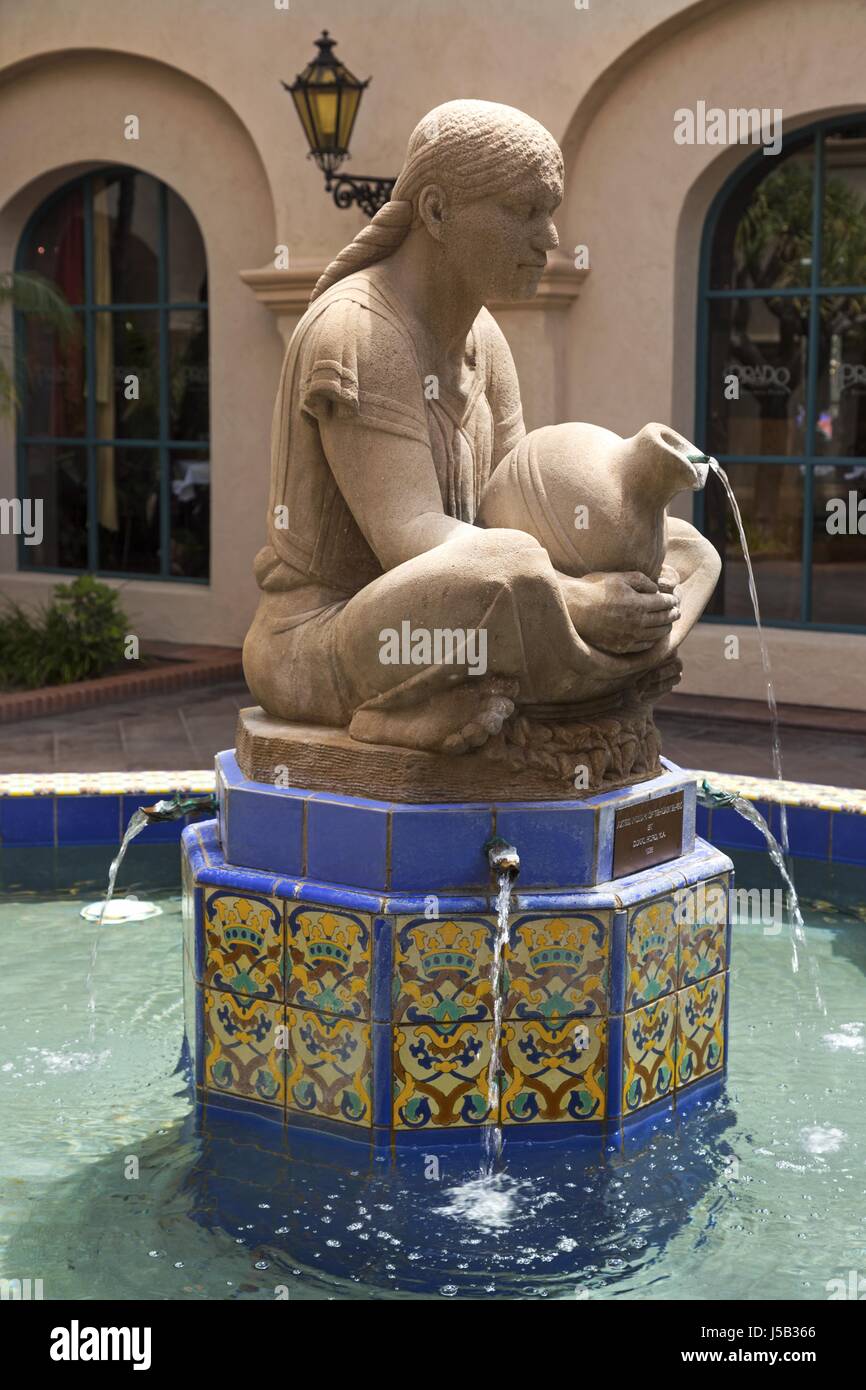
(452, 893)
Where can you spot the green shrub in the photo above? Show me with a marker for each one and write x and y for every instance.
(78, 636)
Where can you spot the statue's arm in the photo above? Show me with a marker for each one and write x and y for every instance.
(697, 564)
(390, 485)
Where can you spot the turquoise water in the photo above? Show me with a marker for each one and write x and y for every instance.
(107, 1191)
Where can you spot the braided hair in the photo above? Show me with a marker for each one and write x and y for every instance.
(472, 148)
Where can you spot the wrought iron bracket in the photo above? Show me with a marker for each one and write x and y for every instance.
(369, 193)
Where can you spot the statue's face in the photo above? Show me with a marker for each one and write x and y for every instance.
(497, 247)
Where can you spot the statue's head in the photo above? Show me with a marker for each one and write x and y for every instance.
(479, 184)
(484, 181)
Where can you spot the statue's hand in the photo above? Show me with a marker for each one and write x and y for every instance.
(620, 613)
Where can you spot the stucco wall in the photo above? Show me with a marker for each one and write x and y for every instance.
(216, 125)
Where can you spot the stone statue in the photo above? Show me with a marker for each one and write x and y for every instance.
(502, 606)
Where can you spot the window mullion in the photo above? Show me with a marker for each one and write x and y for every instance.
(90, 369)
(812, 380)
(164, 476)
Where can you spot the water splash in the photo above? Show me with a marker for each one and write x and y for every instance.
(137, 822)
(776, 744)
(493, 1133)
(776, 851)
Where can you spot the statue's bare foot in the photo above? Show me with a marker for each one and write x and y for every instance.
(450, 719)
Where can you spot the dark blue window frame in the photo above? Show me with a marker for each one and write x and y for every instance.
(805, 136)
(162, 441)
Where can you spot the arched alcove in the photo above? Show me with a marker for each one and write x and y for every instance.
(192, 142)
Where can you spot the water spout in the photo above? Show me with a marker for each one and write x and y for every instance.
(502, 858)
(505, 863)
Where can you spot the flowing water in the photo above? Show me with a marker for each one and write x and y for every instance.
(776, 745)
(759, 1196)
(777, 853)
(137, 822)
(493, 1133)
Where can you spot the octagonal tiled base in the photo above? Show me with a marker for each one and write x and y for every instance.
(370, 1016)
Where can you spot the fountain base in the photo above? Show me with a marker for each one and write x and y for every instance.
(347, 991)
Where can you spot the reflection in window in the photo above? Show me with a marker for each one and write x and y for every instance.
(115, 424)
(782, 383)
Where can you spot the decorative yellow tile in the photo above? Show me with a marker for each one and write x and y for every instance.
(702, 914)
(243, 1055)
(441, 1074)
(330, 1066)
(651, 951)
(557, 967)
(700, 1029)
(328, 960)
(649, 1038)
(442, 969)
(553, 1070)
(243, 943)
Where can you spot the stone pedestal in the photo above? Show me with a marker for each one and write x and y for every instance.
(338, 954)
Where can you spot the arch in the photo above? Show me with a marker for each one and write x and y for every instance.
(122, 467)
(789, 423)
(193, 141)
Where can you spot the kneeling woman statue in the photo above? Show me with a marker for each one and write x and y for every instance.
(405, 491)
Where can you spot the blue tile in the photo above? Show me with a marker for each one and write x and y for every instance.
(416, 904)
(435, 847)
(556, 843)
(333, 895)
(383, 968)
(808, 830)
(88, 820)
(590, 900)
(849, 838)
(347, 842)
(614, 1064)
(27, 820)
(158, 832)
(382, 1088)
(264, 830)
(618, 965)
(732, 831)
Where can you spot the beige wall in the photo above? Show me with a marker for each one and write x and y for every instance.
(619, 348)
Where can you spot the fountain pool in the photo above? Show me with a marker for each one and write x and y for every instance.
(110, 1191)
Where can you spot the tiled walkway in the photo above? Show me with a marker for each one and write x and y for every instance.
(184, 730)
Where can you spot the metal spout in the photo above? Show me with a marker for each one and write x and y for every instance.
(502, 857)
(178, 807)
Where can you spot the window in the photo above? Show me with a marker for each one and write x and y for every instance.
(782, 379)
(114, 427)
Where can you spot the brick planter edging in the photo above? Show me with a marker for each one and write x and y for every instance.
(223, 665)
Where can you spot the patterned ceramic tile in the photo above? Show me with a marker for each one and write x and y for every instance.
(328, 960)
(648, 1054)
(244, 943)
(330, 1069)
(702, 914)
(557, 966)
(188, 914)
(700, 1029)
(651, 951)
(442, 969)
(242, 1038)
(440, 1075)
(553, 1070)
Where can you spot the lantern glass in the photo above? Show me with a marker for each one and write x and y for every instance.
(327, 97)
(348, 111)
(325, 108)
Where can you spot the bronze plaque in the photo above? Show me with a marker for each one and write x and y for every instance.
(646, 833)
